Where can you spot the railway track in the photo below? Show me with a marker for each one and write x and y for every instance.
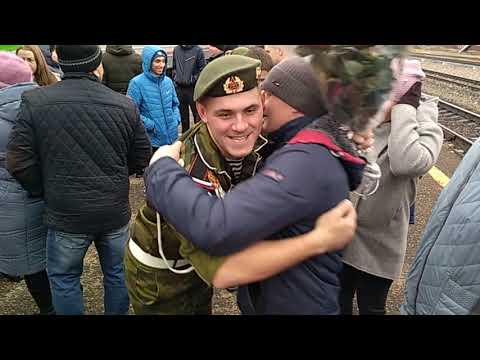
(461, 127)
(471, 84)
(450, 59)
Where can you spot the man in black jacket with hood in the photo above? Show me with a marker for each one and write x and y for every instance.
(74, 144)
(121, 64)
(188, 62)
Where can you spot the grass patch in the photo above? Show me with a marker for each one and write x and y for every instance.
(9, 47)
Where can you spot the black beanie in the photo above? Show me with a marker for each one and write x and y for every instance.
(79, 58)
(294, 82)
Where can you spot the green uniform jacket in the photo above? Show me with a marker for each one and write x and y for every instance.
(161, 291)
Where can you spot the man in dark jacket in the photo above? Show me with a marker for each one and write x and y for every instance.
(120, 64)
(310, 167)
(75, 144)
(188, 61)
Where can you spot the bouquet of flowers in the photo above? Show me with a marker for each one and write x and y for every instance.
(356, 81)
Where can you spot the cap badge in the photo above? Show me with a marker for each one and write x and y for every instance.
(233, 85)
(259, 72)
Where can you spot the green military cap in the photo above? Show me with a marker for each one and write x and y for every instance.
(227, 75)
(242, 50)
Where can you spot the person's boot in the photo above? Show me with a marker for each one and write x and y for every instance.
(39, 287)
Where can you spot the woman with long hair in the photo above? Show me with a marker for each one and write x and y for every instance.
(33, 56)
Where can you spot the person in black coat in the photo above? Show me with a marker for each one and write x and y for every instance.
(74, 144)
(188, 62)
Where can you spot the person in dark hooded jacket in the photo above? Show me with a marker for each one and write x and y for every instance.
(188, 62)
(120, 64)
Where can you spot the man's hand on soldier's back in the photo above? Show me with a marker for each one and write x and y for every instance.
(334, 230)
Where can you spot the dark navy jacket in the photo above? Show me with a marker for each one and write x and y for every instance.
(298, 182)
(188, 62)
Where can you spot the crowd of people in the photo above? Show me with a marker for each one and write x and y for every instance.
(250, 185)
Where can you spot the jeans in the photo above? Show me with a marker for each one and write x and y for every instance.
(65, 255)
(372, 292)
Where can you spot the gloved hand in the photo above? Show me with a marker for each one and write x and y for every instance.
(412, 96)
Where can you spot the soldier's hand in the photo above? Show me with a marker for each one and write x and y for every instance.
(334, 230)
(172, 151)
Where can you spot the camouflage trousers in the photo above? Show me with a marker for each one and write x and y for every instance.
(161, 292)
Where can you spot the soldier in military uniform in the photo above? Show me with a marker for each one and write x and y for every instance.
(172, 276)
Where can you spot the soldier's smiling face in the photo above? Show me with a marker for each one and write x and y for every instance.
(234, 121)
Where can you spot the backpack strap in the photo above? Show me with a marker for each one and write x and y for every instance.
(309, 136)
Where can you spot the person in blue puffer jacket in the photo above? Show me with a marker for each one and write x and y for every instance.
(154, 94)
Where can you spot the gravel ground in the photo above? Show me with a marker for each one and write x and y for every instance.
(15, 299)
(453, 93)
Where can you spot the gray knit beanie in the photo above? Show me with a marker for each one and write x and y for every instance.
(294, 82)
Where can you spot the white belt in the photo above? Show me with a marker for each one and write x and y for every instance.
(152, 261)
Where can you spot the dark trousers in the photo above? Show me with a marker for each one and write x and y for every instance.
(39, 287)
(371, 291)
(185, 97)
(140, 172)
